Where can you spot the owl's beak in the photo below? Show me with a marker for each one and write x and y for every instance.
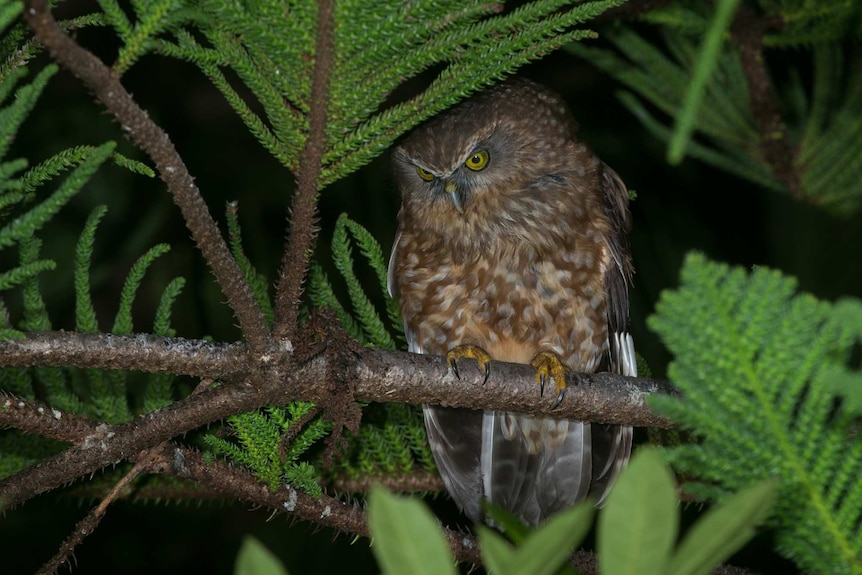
(452, 189)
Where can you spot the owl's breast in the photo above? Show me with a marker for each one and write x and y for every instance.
(512, 301)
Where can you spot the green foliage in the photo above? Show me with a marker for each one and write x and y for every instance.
(364, 324)
(123, 321)
(150, 19)
(9, 11)
(702, 88)
(707, 59)
(255, 559)
(831, 131)
(544, 551)
(94, 393)
(25, 209)
(257, 281)
(391, 439)
(407, 537)
(807, 23)
(378, 46)
(637, 531)
(390, 442)
(762, 373)
(259, 445)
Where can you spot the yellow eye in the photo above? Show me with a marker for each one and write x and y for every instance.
(424, 174)
(478, 161)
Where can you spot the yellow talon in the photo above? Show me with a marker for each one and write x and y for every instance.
(471, 352)
(548, 366)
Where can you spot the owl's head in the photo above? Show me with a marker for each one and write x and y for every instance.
(499, 143)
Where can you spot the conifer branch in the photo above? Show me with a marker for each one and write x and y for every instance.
(748, 32)
(303, 212)
(341, 516)
(376, 375)
(325, 511)
(88, 524)
(414, 481)
(106, 86)
(38, 419)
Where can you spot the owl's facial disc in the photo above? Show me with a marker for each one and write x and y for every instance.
(452, 189)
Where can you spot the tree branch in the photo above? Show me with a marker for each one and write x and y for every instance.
(39, 419)
(377, 375)
(88, 524)
(294, 266)
(748, 31)
(326, 511)
(106, 86)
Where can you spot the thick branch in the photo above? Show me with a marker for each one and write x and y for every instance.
(294, 265)
(107, 88)
(139, 352)
(378, 375)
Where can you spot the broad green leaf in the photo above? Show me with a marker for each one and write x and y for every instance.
(722, 531)
(497, 554)
(638, 527)
(407, 538)
(545, 550)
(255, 559)
(515, 529)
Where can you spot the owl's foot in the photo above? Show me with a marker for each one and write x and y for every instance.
(548, 366)
(471, 352)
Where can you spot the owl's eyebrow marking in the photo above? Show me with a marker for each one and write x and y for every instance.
(557, 178)
(483, 140)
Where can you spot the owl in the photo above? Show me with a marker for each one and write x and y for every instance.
(512, 245)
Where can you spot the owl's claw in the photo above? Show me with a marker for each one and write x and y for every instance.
(472, 352)
(548, 366)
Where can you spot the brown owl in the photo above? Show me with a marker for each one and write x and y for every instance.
(512, 245)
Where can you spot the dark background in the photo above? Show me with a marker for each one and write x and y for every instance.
(678, 209)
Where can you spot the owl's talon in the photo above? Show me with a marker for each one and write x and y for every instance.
(560, 395)
(472, 352)
(549, 367)
(453, 363)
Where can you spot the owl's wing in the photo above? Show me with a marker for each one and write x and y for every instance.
(612, 444)
(454, 434)
(391, 285)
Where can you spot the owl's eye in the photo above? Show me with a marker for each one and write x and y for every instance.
(424, 174)
(478, 161)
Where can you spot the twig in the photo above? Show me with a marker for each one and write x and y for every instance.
(325, 511)
(413, 481)
(294, 265)
(39, 419)
(106, 86)
(140, 352)
(88, 524)
(748, 31)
